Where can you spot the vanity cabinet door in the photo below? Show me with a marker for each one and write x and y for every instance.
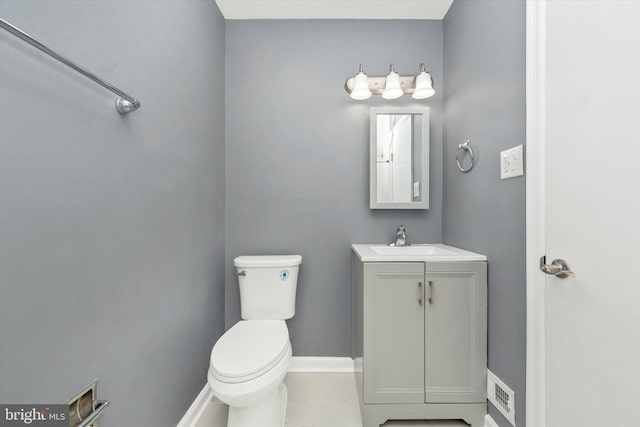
(393, 312)
(456, 332)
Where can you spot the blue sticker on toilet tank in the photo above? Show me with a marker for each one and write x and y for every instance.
(284, 274)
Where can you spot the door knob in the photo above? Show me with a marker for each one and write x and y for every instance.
(558, 268)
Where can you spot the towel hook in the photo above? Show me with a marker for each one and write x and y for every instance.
(462, 148)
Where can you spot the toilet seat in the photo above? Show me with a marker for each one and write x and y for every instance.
(249, 349)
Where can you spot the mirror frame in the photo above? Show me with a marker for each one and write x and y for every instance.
(373, 146)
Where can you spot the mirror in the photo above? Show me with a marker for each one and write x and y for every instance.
(399, 158)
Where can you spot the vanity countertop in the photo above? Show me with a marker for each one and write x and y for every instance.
(415, 253)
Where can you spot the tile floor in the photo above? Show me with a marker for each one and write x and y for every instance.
(319, 400)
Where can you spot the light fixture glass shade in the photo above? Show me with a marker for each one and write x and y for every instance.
(360, 89)
(392, 88)
(424, 86)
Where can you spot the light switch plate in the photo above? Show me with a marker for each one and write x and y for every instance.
(416, 189)
(511, 162)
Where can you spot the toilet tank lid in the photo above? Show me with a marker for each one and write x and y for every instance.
(267, 261)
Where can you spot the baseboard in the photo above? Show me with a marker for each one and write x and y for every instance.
(489, 422)
(298, 364)
(321, 364)
(197, 408)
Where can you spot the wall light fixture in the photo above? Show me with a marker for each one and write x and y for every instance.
(391, 86)
(360, 89)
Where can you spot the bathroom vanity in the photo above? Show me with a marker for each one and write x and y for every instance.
(420, 333)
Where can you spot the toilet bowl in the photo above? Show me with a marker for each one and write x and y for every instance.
(248, 365)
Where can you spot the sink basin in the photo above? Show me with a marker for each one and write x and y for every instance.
(436, 252)
(411, 250)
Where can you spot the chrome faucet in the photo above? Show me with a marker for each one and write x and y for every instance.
(401, 237)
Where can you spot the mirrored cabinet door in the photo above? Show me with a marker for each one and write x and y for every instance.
(399, 158)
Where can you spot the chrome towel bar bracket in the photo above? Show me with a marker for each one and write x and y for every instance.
(462, 149)
(124, 104)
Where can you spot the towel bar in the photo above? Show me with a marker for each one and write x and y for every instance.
(124, 104)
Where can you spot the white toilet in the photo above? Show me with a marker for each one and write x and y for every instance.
(249, 362)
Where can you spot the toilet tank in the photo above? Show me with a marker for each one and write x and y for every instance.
(267, 286)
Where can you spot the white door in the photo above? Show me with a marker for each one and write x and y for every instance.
(592, 220)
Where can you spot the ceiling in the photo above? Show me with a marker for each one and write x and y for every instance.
(334, 9)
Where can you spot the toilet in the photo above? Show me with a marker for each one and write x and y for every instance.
(249, 362)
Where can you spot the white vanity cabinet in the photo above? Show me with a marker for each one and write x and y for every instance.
(420, 340)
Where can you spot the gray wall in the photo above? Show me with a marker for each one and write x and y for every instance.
(484, 66)
(112, 228)
(297, 152)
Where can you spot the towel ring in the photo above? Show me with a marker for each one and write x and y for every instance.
(462, 148)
